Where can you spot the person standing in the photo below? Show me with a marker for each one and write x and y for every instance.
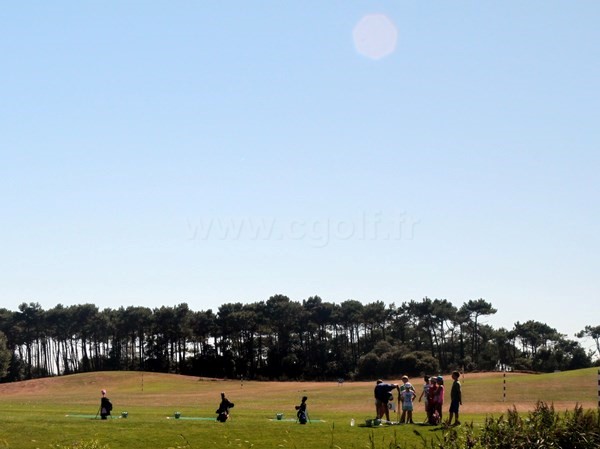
(455, 399)
(382, 394)
(404, 380)
(408, 396)
(105, 406)
(301, 412)
(439, 397)
(406, 385)
(425, 395)
(433, 416)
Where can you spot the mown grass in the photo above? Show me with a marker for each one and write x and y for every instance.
(33, 413)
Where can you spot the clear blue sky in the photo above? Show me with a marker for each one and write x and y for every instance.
(207, 152)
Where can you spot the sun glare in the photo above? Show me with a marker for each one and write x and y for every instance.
(375, 36)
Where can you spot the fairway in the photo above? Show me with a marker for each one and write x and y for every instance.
(62, 410)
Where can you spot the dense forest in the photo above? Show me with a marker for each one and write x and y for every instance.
(280, 339)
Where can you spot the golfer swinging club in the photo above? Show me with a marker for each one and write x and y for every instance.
(223, 410)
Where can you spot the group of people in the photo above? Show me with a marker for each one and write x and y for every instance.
(222, 412)
(432, 396)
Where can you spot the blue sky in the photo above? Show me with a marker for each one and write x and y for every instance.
(208, 152)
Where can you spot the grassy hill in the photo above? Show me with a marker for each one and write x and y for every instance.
(59, 410)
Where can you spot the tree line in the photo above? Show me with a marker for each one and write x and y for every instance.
(279, 339)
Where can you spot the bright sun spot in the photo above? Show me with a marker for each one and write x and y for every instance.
(375, 36)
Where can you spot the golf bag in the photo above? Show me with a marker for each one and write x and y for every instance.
(434, 418)
(105, 408)
(302, 418)
(391, 406)
(223, 413)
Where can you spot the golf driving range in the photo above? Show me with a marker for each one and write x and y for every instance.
(171, 411)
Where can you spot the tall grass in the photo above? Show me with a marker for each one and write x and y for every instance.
(542, 428)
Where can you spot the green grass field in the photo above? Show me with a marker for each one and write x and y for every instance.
(60, 411)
